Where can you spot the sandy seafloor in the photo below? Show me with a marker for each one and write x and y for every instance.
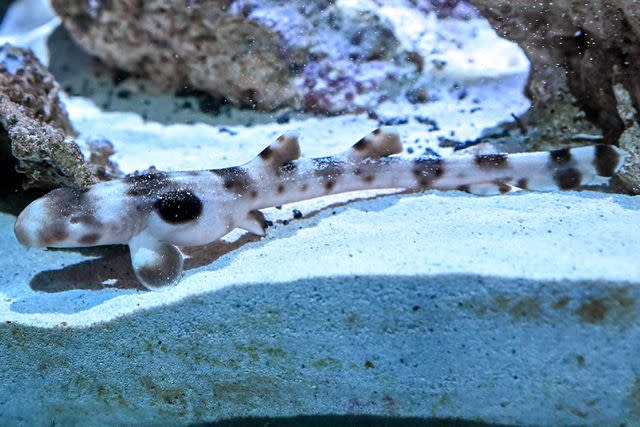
(518, 309)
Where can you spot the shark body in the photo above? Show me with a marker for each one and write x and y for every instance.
(156, 213)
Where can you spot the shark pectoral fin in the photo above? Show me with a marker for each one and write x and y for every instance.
(156, 264)
(254, 223)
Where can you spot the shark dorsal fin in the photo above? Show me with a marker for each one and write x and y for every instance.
(283, 150)
(379, 143)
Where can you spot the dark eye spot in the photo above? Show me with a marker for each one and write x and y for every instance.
(178, 206)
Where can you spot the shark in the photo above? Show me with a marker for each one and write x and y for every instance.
(156, 213)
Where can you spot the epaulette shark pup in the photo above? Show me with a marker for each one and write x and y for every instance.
(155, 213)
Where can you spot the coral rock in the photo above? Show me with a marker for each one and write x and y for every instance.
(34, 128)
(574, 48)
(317, 56)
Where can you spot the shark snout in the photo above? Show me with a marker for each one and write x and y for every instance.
(30, 223)
(37, 226)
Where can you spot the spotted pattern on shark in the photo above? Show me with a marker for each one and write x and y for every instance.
(156, 213)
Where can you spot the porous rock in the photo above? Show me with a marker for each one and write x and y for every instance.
(629, 141)
(323, 56)
(574, 48)
(35, 132)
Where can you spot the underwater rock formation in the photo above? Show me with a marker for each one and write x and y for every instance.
(629, 176)
(316, 56)
(35, 132)
(574, 48)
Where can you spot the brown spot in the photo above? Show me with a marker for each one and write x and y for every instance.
(304, 187)
(567, 179)
(526, 307)
(281, 188)
(330, 184)
(254, 194)
(285, 151)
(593, 311)
(561, 303)
(55, 233)
(85, 219)
(69, 201)
(503, 187)
(235, 179)
(606, 160)
(328, 169)
(492, 161)
(427, 169)
(502, 301)
(616, 306)
(266, 153)
(378, 144)
(146, 184)
(368, 178)
(89, 239)
(361, 145)
(560, 157)
(523, 183)
(288, 167)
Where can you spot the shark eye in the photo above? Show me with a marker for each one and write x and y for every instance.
(178, 206)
